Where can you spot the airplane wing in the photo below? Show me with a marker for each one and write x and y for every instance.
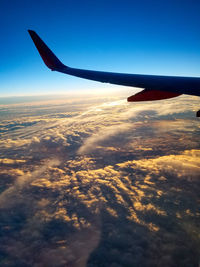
(155, 87)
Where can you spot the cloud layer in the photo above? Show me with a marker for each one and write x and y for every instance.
(100, 182)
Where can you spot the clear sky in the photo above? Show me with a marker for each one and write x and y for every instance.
(149, 37)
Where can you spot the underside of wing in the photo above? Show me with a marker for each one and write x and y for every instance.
(149, 95)
(155, 87)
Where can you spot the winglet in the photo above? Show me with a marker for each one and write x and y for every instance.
(47, 55)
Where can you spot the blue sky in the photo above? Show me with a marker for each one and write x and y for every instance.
(152, 37)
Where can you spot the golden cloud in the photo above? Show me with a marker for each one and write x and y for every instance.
(139, 183)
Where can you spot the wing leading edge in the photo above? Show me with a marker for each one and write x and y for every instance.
(155, 87)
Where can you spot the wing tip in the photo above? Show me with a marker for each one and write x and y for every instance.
(47, 55)
(31, 32)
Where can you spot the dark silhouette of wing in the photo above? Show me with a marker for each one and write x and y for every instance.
(156, 87)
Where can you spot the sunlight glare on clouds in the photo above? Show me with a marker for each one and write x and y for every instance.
(100, 172)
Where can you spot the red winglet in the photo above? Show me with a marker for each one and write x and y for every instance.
(47, 55)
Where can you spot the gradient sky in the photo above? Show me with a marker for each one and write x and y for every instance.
(150, 37)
